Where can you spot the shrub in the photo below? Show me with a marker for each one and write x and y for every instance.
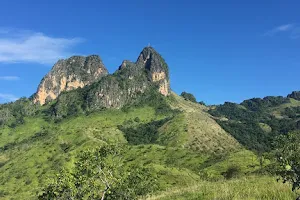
(188, 96)
(232, 172)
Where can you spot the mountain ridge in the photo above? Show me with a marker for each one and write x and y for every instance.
(108, 90)
(182, 142)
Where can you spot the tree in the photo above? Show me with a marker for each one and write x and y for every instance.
(101, 174)
(202, 103)
(288, 157)
(189, 97)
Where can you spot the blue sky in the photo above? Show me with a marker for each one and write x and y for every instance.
(217, 50)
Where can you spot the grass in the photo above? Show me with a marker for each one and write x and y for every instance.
(191, 148)
(203, 133)
(248, 188)
(31, 158)
(246, 162)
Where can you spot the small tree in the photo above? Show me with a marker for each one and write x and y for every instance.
(101, 174)
(189, 97)
(202, 103)
(288, 157)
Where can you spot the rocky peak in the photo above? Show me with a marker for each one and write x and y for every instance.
(125, 63)
(69, 74)
(157, 68)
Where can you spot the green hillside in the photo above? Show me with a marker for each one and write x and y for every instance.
(255, 123)
(126, 135)
(186, 148)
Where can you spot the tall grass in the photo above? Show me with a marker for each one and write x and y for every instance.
(246, 188)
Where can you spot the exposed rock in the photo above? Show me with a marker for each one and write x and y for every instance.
(69, 74)
(295, 95)
(130, 80)
(157, 68)
(124, 86)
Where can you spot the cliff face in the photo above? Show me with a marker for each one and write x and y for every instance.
(157, 68)
(69, 74)
(116, 90)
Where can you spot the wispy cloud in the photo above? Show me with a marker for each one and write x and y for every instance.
(26, 46)
(278, 29)
(9, 78)
(8, 97)
(293, 30)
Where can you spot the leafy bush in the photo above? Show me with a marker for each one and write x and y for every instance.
(288, 157)
(100, 174)
(232, 172)
(188, 96)
(143, 133)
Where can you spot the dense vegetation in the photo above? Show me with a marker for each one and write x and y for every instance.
(256, 122)
(142, 133)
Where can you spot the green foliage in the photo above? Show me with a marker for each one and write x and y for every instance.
(288, 157)
(100, 174)
(152, 98)
(12, 114)
(143, 133)
(188, 96)
(137, 181)
(249, 134)
(233, 171)
(202, 103)
(245, 121)
(258, 104)
(235, 112)
(295, 95)
(292, 112)
(69, 104)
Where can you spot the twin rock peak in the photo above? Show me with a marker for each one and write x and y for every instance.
(104, 89)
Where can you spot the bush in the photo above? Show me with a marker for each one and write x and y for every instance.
(142, 134)
(100, 173)
(232, 172)
(188, 97)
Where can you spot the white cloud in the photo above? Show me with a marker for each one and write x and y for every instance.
(278, 29)
(9, 78)
(8, 97)
(26, 46)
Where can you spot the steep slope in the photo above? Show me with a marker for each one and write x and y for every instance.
(202, 133)
(69, 74)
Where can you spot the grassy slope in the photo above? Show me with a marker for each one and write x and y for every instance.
(247, 188)
(181, 157)
(204, 134)
(27, 162)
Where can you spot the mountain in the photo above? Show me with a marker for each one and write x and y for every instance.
(168, 146)
(69, 74)
(118, 89)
